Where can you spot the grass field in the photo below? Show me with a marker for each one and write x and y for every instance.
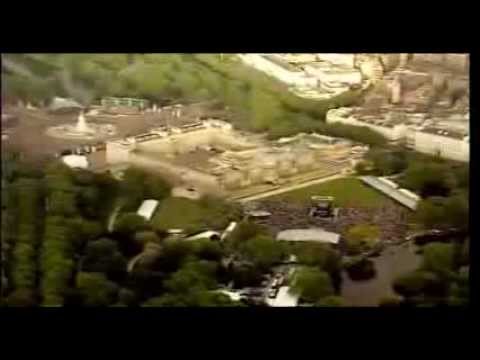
(348, 192)
(181, 213)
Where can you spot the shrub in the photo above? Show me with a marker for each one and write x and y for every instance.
(362, 237)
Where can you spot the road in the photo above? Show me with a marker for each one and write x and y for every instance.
(290, 188)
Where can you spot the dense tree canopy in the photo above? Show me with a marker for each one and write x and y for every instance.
(103, 256)
(96, 289)
(312, 284)
(361, 238)
(263, 250)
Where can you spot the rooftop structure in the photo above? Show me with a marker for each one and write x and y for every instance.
(147, 209)
(309, 235)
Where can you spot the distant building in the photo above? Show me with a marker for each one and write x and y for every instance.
(147, 209)
(446, 143)
(140, 104)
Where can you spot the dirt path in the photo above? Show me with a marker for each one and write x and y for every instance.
(290, 188)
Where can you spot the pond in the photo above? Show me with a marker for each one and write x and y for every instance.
(393, 261)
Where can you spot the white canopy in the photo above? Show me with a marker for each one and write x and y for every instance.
(76, 161)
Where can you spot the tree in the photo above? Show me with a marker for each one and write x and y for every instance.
(244, 231)
(457, 211)
(388, 162)
(263, 250)
(430, 179)
(193, 275)
(21, 298)
(130, 223)
(133, 188)
(103, 256)
(431, 213)
(331, 301)
(206, 249)
(320, 255)
(145, 237)
(439, 258)
(174, 253)
(312, 284)
(419, 283)
(96, 289)
(265, 109)
(361, 238)
(360, 268)
(156, 188)
(126, 297)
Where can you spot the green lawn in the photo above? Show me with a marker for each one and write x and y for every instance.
(181, 213)
(348, 192)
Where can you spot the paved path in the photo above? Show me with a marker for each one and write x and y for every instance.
(290, 188)
(113, 217)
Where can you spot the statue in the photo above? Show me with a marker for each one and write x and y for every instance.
(82, 124)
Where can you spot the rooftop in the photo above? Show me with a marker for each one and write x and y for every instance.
(282, 63)
(147, 209)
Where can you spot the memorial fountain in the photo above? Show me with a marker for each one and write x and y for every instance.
(82, 130)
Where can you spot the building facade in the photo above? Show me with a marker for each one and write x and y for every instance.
(428, 140)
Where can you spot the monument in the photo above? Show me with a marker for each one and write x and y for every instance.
(82, 130)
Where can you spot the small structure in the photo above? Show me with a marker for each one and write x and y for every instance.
(147, 209)
(76, 161)
(309, 235)
(284, 298)
(322, 206)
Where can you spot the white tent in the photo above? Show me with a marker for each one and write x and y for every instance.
(313, 235)
(76, 161)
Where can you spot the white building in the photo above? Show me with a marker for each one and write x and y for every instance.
(448, 144)
(292, 76)
(147, 209)
(345, 116)
(441, 143)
